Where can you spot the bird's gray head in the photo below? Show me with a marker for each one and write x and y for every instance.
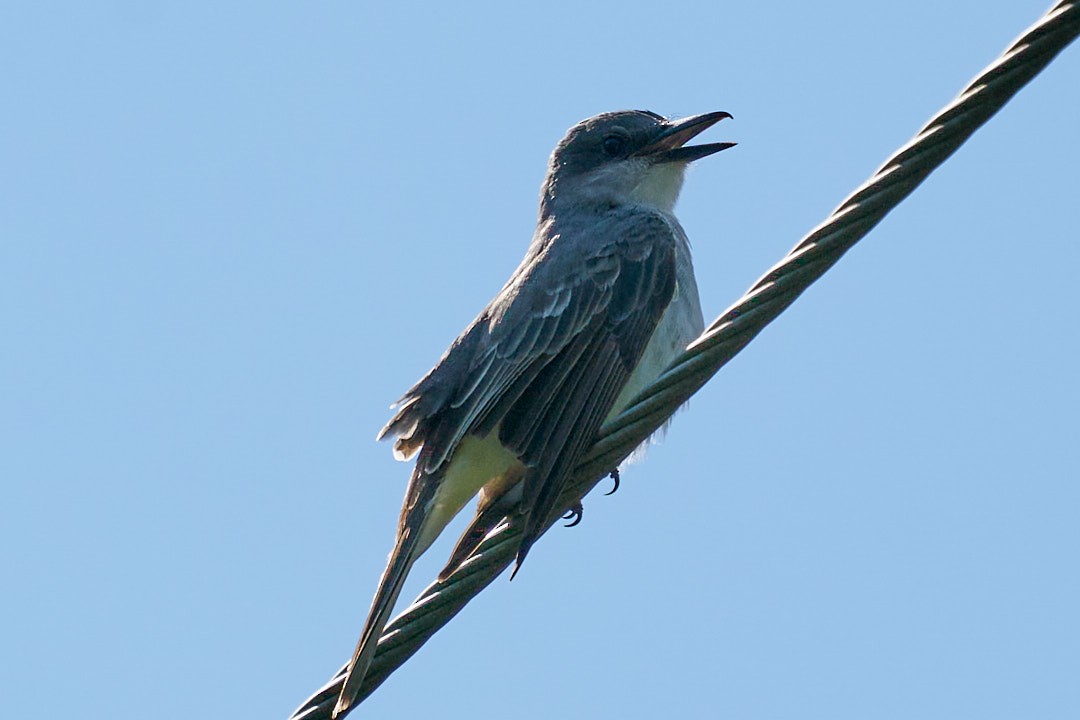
(624, 157)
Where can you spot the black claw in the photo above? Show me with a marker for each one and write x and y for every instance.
(614, 475)
(574, 515)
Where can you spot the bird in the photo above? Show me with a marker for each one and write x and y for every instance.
(603, 300)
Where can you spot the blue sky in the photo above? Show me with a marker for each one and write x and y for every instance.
(233, 234)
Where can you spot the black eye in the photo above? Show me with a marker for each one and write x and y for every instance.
(614, 144)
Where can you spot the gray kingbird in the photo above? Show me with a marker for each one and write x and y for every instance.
(603, 300)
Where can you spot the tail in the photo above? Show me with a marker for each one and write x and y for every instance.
(486, 520)
(393, 578)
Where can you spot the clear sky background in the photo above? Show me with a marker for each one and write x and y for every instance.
(232, 234)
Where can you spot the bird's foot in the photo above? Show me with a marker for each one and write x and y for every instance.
(614, 475)
(573, 515)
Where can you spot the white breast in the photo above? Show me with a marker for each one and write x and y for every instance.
(680, 324)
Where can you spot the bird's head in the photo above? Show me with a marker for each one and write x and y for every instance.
(629, 156)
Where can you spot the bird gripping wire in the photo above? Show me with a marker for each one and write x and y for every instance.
(728, 334)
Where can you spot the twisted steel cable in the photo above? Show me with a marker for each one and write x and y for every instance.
(727, 335)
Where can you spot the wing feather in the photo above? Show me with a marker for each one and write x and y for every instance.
(545, 361)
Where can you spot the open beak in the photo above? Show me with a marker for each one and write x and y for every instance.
(670, 144)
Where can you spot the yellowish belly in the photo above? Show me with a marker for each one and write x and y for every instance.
(476, 462)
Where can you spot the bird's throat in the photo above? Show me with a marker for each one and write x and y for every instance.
(660, 185)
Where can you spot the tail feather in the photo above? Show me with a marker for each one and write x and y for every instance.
(486, 520)
(393, 579)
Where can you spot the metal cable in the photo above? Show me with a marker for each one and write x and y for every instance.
(727, 335)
